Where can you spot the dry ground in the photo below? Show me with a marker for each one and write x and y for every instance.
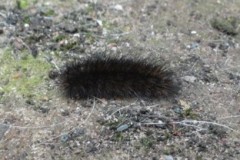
(199, 40)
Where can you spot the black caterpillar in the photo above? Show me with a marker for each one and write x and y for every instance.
(116, 77)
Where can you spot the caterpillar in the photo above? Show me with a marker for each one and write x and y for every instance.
(112, 77)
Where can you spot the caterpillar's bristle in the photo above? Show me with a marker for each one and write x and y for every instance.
(108, 77)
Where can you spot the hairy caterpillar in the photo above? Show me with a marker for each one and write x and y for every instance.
(116, 77)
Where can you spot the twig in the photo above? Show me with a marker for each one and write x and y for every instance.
(229, 117)
(186, 122)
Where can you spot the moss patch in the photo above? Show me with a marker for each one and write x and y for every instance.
(147, 142)
(22, 76)
(227, 25)
(24, 4)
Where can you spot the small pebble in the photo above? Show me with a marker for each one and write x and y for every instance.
(169, 157)
(190, 79)
(192, 46)
(26, 25)
(118, 7)
(64, 138)
(193, 32)
(212, 45)
(122, 128)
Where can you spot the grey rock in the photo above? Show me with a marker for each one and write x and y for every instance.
(122, 128)
(3, 130)
(90, 148)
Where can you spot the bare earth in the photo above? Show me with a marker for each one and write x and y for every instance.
(199, 41)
